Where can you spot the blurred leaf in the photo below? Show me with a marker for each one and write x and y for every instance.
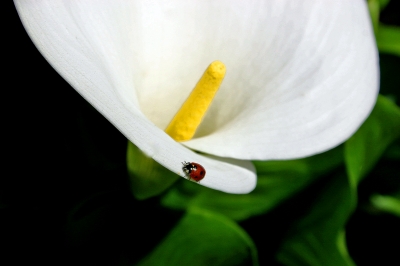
(319, 237)
(277, 180)
(375, 7)
(387, 204)
(366, 146)
(383, 3)
(204, 238)
(393, 151)
(374, 11)
(148, 178)
(388, 39)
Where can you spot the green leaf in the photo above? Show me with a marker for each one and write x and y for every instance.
(319, 237)
(388, 39)
(383, 3)
(277, 180)
(393, 151)
(387, 204)
(374, 11)
(204, 238)
(366, 146)
(375, 7)
(148, 178)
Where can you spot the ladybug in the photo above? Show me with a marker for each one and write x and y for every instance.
(194, 171)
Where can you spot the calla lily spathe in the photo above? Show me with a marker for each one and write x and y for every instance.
(301, 75)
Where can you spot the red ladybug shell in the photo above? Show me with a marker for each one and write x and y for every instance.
(194, 171)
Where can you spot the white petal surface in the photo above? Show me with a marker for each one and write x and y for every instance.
(301, 78)
(90, 48)
(301, 75)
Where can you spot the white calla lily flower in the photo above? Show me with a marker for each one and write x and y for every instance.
(301, 76)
